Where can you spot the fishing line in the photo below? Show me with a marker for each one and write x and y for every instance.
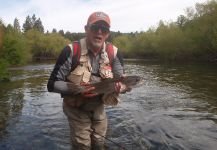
(119, 145)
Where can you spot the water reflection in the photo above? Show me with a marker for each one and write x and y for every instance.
(11, 104)
(176, 108)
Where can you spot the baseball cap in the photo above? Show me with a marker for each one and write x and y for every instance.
(98, 16)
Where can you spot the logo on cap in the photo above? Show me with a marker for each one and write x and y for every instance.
(101, 15)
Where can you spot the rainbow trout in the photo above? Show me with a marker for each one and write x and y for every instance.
(106, 86)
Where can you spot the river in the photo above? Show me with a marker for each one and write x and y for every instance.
(175, 108)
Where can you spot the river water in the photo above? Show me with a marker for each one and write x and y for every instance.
(175, 108)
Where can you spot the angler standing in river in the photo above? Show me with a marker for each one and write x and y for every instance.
(83, 62)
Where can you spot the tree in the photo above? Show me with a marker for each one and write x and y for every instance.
(34, 38)
(123, 43)
(190, 12)
(14, 47)
(181, 21)
(54, 30)
(61, 32)
(1, 34)
(33, 22)
(27, 24)
(16, 25)
(1, 22)
(38, 25)
(45, 45)
(4, 74)
(33, 19)
(10, 27)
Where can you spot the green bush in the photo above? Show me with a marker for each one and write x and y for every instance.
(4, 74)
(14, 48)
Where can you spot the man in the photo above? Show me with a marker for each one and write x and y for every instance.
(85, 111)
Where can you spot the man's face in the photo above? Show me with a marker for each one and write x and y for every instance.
(96, 34)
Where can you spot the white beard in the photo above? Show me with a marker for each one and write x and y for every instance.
(97, 44)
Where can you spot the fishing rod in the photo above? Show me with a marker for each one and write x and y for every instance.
(117, 144)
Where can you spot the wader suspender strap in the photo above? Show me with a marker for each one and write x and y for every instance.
(110, 52)
(76, 55)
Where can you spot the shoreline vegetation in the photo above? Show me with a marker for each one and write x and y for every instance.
(192, 37)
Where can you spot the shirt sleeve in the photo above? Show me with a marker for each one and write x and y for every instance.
(57, 81)
(118, 65)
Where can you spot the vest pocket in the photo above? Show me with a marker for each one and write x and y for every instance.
(76, 75)
(86, 76)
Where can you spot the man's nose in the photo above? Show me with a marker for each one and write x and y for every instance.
(99, 31)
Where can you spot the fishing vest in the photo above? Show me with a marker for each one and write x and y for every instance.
(81, 71)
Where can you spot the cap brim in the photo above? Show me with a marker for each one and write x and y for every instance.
(96, 20)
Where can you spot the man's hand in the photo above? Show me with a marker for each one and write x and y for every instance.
(88, 90)
(121, 88)
(117, 87)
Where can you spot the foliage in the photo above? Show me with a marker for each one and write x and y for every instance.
(1, 35)
(14, 47)
(191, 37)
(54, 31)
(27, 24)
(19, 48)
(122, 42)
(73, 36)
(17, 25)
(4, 74)
(55, 43)
(33, 23)
(38, 25)
(45, 45)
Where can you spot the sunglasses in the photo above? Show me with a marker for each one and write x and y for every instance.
(96, 27)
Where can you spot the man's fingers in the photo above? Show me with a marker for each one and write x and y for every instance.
(90, 94)
(117, 87)
(89, 89)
